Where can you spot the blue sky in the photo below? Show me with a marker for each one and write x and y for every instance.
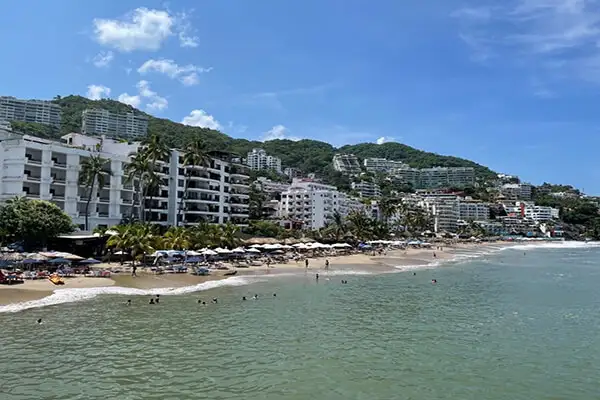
(511, 84)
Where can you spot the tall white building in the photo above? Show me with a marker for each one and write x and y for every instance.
(517, 191)
(41, 112)
(381, 164)
(474, 211)
(367, 189)
(346, 163)
(312, 205)
(100, 122)
(48, 170)
(268, 186)
(258, 159)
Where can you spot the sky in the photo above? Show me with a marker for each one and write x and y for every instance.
(511, 84)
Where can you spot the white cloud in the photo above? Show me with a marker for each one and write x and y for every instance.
(556, 38)
(186, 74)
(278, 132)
(154, 102)
(103, 59)
(202, 119)
(133, 101)
(145, 30)
(142, 29)
(97, 92)
(384, 139)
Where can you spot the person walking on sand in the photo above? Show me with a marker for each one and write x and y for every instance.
(133, 270)
(306, 263)
(326, 265)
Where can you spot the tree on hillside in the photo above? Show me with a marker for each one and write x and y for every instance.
(195, 156)
(32, 221)
(92, 172)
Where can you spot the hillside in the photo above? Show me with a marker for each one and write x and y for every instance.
(307, 155)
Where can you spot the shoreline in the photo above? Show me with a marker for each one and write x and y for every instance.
(363, 263)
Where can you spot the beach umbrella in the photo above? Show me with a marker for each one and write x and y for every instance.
(253, 250)
(209, 252)
(89, 261)
(238, 250)
(256, 245)
(278, 252)
(59, 260)
(340, 245)
(287, 247)
(193, 253)
(220, 250)
(299, 245)
(119, 253)
(30, 261)
(193, 260)
(274, 246)
(12, 257)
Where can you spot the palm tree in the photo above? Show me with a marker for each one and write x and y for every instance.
(195, 156)
(337, 228)
(359, 225)
(137, 167)
(177, 238)
(92, 171)
(153, 149)
(229, 236)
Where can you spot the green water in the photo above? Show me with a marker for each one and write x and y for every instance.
(506, 326)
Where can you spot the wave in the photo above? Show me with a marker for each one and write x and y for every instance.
(554, 245)
(61, 296)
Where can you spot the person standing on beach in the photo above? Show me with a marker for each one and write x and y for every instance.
(306, 263)
(133, 271)
(326, 265)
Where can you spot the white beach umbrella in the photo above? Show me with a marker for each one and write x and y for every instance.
(340, 245)
(287, 247)
(256, 245)
(220, 250)
(209, 252)
(238, 250)
(299, 245)
(193, 253)
(253, 250)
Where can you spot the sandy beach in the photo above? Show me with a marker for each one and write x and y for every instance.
(367, 262)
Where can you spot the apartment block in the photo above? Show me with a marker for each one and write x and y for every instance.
(258, 159)
(367, 189)
(516, 191)
(312, 205)
(271, 187)
(346, 164)
(437, 177)
(100, 122)
(473, 211)
(381, 165)
(445, 213)
(292, 172)
(38, 111)
(49, 170)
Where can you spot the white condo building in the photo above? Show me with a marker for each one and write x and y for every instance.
(48, 170)
(367, 189)
(381, 164)
(313, 205)
(258, 159)
(437, 177)
(346, 163)
(38, 111)
(100, 122)
(473, 211)
(517, 191)
(268, 186)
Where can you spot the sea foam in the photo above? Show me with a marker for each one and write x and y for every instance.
(61, 296)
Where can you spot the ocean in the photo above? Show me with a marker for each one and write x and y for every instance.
(517, 323)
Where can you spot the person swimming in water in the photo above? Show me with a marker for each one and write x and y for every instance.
(317, 276)
(434, 281)
(129, 302)
(414, 274)
(215, 300)
(244, 298)
(255, 297)
(274, 294)
(39, 321)
(157, 298)
(152, 301)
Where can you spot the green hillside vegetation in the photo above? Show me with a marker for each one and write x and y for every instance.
(310, 156)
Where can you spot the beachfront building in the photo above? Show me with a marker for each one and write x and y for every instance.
(49, 170)
(367, 189)
(346, 164)
(445, 213)
(258, 159)
(312, 205)
(470, 210)
(38, 111)
(100, 122)
(381, 164)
